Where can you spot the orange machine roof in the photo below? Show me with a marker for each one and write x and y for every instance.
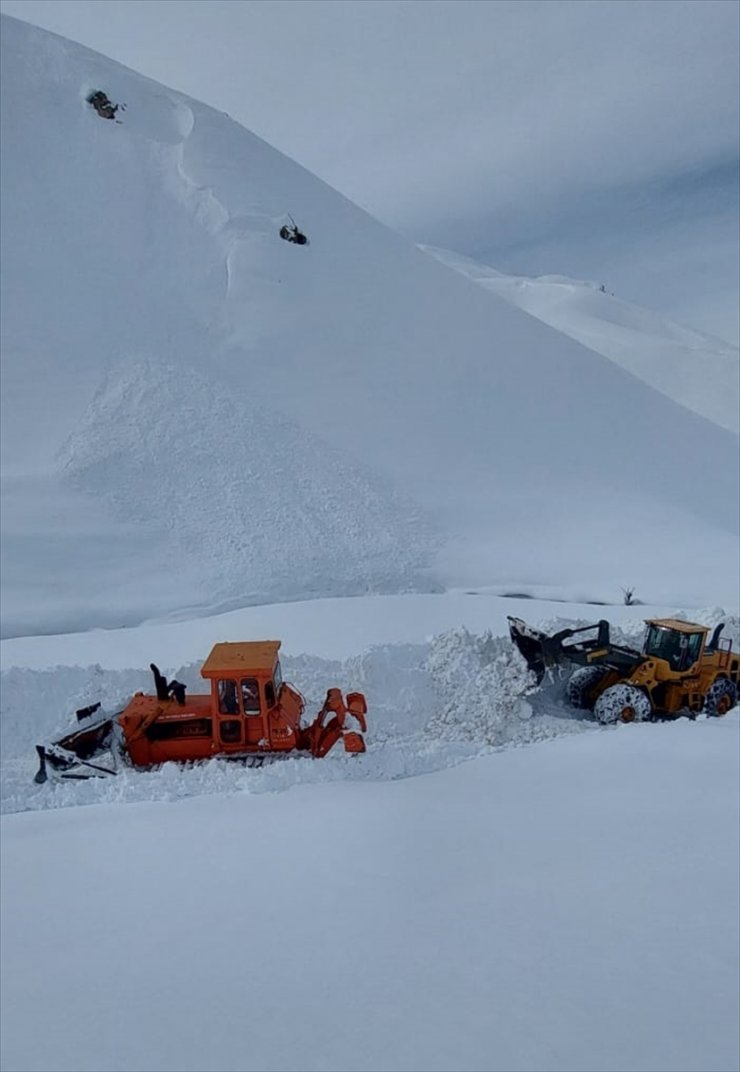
(680, 627)
(228, 658)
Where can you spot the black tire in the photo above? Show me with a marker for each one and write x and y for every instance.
(623, 703)
(721, 697)
(581, 685)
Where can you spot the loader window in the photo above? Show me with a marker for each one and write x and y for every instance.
(227, 701)
(277, 677)
(692, 649)
(663, 644)
(250, 696)
(269, 694)
(679, 650)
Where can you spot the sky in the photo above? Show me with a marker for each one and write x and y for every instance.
(588, 138)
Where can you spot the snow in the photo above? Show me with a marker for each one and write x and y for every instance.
(565, 906)
(209, 434)
(694, 369)
(330, 628)
(283, 422)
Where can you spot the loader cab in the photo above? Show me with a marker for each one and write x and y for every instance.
(245, 690)
(676, 643)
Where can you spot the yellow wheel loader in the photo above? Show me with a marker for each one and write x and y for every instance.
(677, 671)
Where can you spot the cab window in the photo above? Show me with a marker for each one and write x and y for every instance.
(277, 677)
(269, 694)
(228, 703)
(680, 650)
(250, 696)
(692, 650)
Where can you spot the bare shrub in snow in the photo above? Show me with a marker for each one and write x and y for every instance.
(482, 682)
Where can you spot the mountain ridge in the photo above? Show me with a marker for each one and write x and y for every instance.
(692, 368)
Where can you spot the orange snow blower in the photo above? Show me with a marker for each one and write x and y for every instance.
(250, 713)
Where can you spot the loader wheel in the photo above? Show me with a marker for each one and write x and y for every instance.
(721, 697)
(582, 683)
(622, 703)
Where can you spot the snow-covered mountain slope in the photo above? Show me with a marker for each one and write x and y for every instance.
(199, 415)
(694, 369)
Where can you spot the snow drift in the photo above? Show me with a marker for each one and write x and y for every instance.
(199, 415)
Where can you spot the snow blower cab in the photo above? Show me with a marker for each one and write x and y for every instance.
(249, 713)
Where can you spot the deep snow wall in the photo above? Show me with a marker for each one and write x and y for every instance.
(431, 705)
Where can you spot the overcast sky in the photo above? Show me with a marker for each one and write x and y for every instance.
(592, 138)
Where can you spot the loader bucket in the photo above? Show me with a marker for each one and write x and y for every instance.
(541, 651)
(531, 646)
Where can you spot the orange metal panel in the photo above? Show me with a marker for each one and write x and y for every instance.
(250, 656)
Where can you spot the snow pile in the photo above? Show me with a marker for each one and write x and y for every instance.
(700, 372)
(198, 415)
(483, 682)
(142, 422)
